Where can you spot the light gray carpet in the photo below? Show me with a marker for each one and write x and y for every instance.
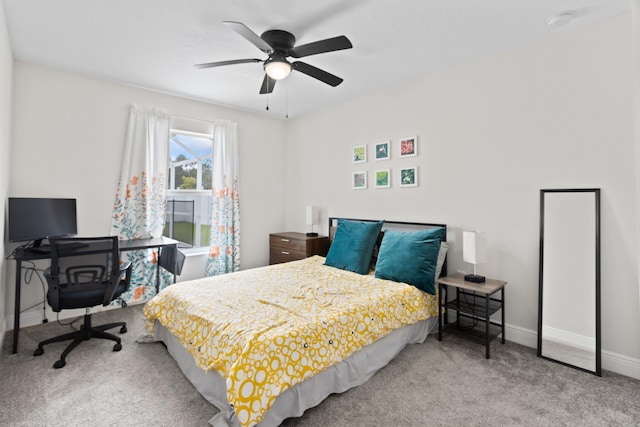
(436, 383)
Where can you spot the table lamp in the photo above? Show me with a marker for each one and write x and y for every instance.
(474, 251)
(313, 214)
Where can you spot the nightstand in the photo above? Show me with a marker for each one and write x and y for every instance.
(474, 303)
(290, 246)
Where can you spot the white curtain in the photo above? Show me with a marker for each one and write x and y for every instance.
(224, 250)
(139, 206)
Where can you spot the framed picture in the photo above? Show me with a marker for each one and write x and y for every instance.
(383, 179)
(383, 150)
(360, 154)
(409, 177)
(359, 180)
(409, 147)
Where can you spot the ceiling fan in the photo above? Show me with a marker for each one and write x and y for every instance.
(279, 45)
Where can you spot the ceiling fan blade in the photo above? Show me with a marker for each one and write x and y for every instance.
(267, 85)
(317, 73)
(322, 46)
(231, 62)
(245, 32)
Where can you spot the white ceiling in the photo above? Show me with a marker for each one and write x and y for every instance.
(155, 43)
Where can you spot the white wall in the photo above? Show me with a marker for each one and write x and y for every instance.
(492, 133)
(68, 135)
(6, 78)
(635, 13)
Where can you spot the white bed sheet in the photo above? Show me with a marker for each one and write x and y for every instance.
(351, 372)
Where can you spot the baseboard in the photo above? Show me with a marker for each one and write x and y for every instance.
(621, 364)
(614, 362)
(522, 336)
(34, 317)
(568, 338)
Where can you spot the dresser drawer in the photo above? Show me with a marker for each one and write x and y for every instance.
(290, 246)
(277, 256)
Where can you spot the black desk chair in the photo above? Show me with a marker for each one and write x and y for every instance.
(84, 273)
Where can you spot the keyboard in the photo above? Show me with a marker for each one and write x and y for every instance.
(42, 249)
(46, 249)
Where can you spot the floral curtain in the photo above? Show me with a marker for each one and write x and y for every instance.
(224, 250)
(139, 207)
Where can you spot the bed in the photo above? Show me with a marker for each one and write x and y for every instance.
(265, 344)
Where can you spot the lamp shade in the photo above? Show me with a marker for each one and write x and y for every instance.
(313, 215)
(277, 70)
(474, 247)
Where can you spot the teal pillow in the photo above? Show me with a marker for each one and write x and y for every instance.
(410, 257)
(352, 245)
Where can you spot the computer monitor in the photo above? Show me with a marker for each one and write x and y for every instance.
(35, 219)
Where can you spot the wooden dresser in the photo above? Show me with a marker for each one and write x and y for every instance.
(290, 246)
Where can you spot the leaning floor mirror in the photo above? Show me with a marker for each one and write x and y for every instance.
(569, 278)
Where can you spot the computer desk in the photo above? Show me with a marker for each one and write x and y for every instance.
(123, 245)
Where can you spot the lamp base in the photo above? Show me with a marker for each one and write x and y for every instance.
(312, 234)
(474, 278)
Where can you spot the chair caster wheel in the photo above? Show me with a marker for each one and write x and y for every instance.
(59, 364)
(117, 347)
(123, 330)
(38, 351)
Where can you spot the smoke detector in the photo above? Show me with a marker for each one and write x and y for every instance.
(559, 20)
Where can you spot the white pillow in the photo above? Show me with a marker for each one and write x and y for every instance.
(442, 254)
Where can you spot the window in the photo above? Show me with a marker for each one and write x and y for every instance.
(189, 188)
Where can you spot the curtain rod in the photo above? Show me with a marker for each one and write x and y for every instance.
(191, 118)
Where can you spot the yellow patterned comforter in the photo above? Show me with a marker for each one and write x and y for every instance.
(267, 329)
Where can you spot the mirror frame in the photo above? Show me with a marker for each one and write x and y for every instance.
(598, 348)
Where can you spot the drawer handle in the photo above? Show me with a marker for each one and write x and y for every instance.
(284, 240)
(285, 253)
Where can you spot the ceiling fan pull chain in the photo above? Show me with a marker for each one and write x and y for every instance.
(267, 81)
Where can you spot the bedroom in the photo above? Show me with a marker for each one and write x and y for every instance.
(493, 131)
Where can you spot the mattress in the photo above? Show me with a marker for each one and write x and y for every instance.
(267, 330)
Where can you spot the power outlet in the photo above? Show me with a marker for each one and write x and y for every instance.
(460, 272)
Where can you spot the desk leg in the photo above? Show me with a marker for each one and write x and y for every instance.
(457, 307)
(16, 310)
(503, 337)
(488, 324)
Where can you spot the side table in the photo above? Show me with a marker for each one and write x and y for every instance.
(474, 304)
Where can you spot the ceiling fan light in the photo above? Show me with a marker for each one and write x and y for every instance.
(277, 70)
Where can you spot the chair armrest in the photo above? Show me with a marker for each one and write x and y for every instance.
(114, 281)
(126, 268)
(53, 297)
